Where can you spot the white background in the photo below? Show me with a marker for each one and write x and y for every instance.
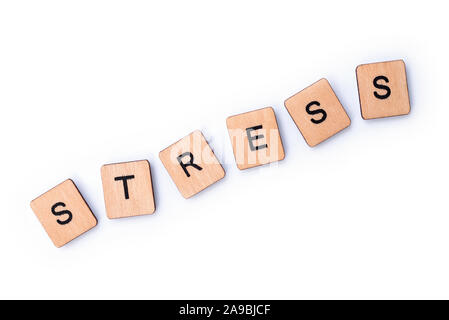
(363, 215)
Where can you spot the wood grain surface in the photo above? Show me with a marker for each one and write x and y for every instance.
(383, 89)
(255, 138)
(200, 167)
(128, 189)
(63, 213)
(317, 112)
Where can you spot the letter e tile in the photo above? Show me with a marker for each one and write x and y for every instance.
(255, 138)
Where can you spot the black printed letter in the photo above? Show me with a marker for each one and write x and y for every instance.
(125, 183)
(60, 213)
(381, 86)
(252, 138)
(317, 111)
(190, 163)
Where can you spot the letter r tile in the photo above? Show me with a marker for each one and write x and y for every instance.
(191, 164)
(255, 138)
(63, 213)
(317, 112)
(128, 189)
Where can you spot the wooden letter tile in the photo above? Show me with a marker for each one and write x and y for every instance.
(383, 89)
(192, 164)
(255, 138)
(63, 213)
(128, 190)
(317, 112)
